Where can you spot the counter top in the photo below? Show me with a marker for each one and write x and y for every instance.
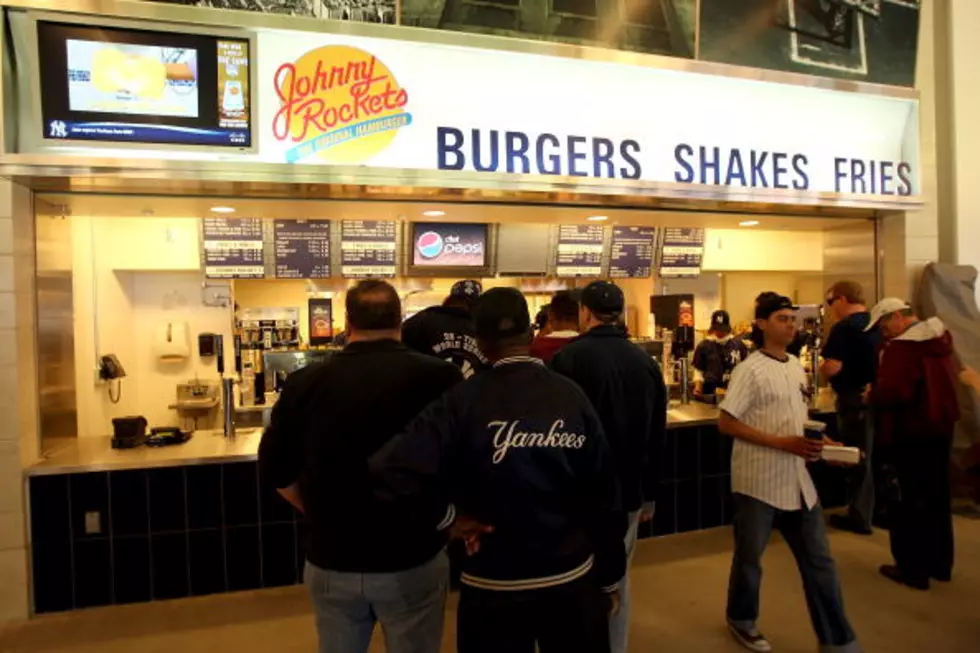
(96, 454)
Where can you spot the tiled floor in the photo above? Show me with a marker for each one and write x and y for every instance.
(679, 597)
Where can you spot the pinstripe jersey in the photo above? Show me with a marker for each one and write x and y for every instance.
(767, 394)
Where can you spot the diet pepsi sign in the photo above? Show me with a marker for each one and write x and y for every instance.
(449, 245)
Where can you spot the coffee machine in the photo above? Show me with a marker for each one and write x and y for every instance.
(261, 330)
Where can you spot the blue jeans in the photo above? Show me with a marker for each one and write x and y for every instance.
(619, 624)
(409, 605)
(804, 533)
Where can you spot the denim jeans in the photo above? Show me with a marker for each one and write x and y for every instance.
(409, 605)
(804, 533)
(857, 430)
(619, 624)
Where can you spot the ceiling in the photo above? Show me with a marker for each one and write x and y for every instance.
(195, 207)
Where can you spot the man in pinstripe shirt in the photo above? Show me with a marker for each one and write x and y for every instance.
(765, 411)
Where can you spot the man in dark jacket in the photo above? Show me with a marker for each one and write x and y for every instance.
(916, 391)
(627, 389)
(330, 419)
(447, 331)
(717, 355)
(850, 357)
(520, 450)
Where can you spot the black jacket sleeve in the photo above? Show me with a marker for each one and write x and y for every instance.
(607, 521)
(281, 449)
(413, 334)
(411, 472)
(658, 436)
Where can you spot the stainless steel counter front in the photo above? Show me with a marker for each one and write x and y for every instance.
(97, 454)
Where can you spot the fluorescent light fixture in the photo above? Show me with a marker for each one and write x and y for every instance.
(597, 218)
(749, 223)
(433, 214)
(222, 209)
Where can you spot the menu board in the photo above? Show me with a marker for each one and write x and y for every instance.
(579, 250)
(367, 249)
(631, 254)
(302, 249)
(233, 248)
(681, 252)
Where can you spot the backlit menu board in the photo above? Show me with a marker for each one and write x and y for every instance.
(233, 248)
(302, 249)
(579, 250)
(367, 249)
(631, 253)
(681, 252)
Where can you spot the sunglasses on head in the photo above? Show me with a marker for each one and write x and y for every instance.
(831, 300)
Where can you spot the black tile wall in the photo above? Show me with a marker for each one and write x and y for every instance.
(131, 569)
(128, 503)
(204, 529)
(167, 500)
(171, 574)
(89, 493)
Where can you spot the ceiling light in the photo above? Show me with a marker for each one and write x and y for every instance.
(597, 218)
(222, 209)
(433, 214)
(749, 223)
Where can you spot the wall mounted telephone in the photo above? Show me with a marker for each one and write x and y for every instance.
(110, 368)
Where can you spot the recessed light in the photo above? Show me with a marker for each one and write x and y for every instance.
(749, 223)
(222, 209)
(433, 214)
(597, 218)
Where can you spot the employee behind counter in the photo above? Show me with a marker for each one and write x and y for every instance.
(716, 356)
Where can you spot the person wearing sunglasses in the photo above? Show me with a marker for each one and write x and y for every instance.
(849, 364)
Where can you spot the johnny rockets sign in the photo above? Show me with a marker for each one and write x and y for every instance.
(335, 99)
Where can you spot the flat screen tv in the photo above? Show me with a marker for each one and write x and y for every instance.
(104, 85)
(445, 245)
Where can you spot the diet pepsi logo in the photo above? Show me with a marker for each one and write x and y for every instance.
(429, 244)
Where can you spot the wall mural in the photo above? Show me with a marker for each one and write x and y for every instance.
(864, 40)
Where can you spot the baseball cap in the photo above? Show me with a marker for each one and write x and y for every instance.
(468, 289)
(721, 321)
(770, 302)
(883, 308)
(603, 298)
(501, 313)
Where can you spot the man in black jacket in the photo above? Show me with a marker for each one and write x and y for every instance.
(627, 389)
(330, 419)
(520, 453)
(447, 331)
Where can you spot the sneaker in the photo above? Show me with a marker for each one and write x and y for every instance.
(844, 523)
(753, 640)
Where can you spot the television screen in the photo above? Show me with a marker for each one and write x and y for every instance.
(106, 84)
(449, 245)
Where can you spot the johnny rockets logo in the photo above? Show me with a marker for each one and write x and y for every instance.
(338, 103)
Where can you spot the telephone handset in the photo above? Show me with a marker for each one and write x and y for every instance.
(110, 368)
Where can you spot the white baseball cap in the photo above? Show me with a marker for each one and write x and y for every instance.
(885, 307)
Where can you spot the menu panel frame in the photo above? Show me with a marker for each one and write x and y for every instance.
(233, 247)
(298, 245)
(580, 250)
(368, 249)
(631, 252)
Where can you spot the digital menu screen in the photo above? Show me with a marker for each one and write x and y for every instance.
(681, 252)
(234, 248)
(449, 245)
(367, 248)
(117, 85)
(631, 252)
(302, 249)
(579, 250)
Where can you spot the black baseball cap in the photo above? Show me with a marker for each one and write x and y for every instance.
(721, 321)
(603, 298)
(467, 289)
(501, 313)
(770, 302)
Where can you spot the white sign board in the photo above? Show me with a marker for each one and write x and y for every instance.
(348, 100)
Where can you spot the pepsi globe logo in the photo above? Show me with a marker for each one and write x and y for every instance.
(429, 244)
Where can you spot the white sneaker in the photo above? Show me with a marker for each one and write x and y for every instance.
(753, 640)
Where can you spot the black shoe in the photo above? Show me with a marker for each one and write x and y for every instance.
(845, 523)
(750, 639)
(893, 573)
(943, 577)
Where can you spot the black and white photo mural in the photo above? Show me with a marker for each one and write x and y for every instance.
(365, 11)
